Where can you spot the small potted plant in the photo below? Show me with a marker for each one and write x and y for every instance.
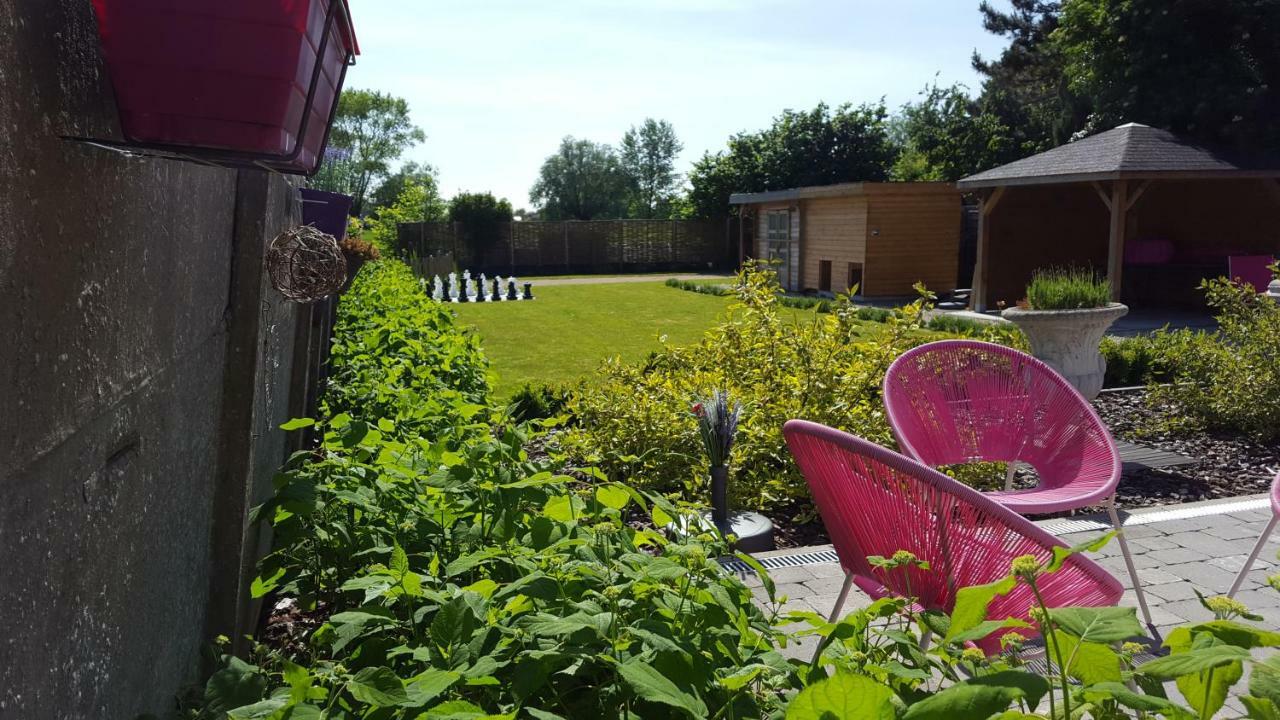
(718, 425)
(1065, 315)
(357, 252)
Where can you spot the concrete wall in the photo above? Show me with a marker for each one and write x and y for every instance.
(143, 370)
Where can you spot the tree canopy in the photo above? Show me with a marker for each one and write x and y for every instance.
(370, 131)
(648, 157)
(814, 147)
(584, 180)
(388, 191)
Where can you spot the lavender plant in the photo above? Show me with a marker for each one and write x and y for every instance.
(717, 424)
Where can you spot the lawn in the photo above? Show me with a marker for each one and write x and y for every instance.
(569, 330)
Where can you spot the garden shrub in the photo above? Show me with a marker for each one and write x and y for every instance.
(1137, 360)
(705, 288)
(398, 355)
(539, 401)
(1229, 380)
(635, 422)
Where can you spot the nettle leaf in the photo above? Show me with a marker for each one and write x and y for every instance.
(985, 628)
(1193, 661)
(454, 622)
(399, 560)
(1121, 693)
(1098, 624)
(843, 697)
(563, 508)
(649, 684)
(1240, 635)
(971, 605)
(1260, 708)
(981, 697)
(297, 424)
(613, 496)
(760, 572)
(378, 686)
(1060, 554)
(1088, 662)
(299, 680)
(456, 710)
(234, 686)
(261, 586)
(1264, 681)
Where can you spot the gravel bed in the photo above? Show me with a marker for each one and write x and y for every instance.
(1229, 465)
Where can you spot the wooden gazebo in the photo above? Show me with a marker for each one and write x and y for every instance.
(1154, 211)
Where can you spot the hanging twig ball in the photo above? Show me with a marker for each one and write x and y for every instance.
(305, 264)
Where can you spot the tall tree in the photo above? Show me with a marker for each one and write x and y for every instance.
(816, 147)
(388, 191)
(582, 181)
(946, 135)
(1209, 69)
(1026, 87)
(480, 216)
(370, 131)
(648, 157)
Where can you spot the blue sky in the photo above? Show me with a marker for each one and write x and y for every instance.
(496, 83)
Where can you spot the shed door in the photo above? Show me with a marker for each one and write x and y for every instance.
(781, 247)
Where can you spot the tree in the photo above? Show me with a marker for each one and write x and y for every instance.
(1209, 69)
(582, 181)
(370, 131)
(816, 147)
(388, 191)
(648, 157)
(947, 135)
(479, 216)
(1026, 87)
(417, 203)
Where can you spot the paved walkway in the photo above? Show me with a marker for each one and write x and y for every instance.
(613, 279)
(1177, 550)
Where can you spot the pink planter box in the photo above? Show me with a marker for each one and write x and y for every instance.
(243, 81)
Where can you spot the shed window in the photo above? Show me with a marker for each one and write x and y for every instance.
(778, 227)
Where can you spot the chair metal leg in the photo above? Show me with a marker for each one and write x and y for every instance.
(1253, 556)
(835, 611)
(844, 594)
(1011, 469)
(1128, 561)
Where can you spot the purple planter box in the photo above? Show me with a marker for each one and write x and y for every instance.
(327, 211)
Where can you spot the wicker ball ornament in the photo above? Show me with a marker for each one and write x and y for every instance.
(306, 265)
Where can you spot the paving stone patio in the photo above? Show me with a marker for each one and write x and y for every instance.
(1177, 550)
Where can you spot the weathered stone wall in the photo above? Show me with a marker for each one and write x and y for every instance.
(144, 368)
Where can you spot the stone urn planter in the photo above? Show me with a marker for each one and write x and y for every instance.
(1067, 341)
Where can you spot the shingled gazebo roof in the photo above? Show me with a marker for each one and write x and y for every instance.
(1131, 151)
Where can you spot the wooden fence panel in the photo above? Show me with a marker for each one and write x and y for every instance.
(594, 246)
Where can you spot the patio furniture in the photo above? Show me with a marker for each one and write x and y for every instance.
(1262, 539)
(1251, 269)
(961, 401)
(874, 501)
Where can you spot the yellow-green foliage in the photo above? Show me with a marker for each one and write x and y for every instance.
(637, 424)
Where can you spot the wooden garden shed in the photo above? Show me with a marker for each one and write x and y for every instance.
(1154, 212)
(882, 237)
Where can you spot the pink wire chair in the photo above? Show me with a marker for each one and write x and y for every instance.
(874, 501)
(1262, 539)
(961, 401)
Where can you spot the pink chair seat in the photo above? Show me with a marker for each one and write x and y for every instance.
(961, 401)
(874, 501)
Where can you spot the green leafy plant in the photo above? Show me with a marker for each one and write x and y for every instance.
(539, 401)
(1228, 380)
(1067, 289)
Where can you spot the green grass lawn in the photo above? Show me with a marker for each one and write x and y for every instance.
(569, 330)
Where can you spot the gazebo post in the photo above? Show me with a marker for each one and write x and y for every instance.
(1119, 206)
(978, 293)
